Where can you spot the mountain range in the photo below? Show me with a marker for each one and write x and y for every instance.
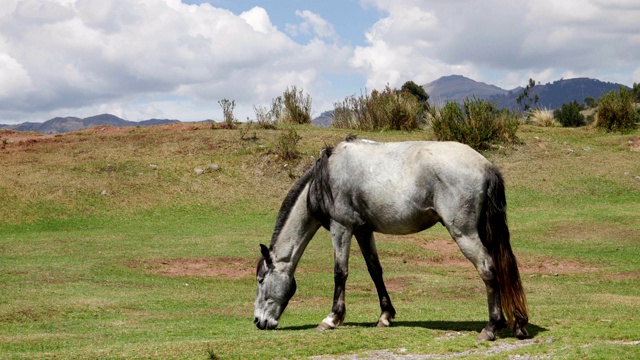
(447, 88)
(551, 95)
(60, 125)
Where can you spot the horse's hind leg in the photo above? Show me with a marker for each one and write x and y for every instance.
(341, 237)
(367, 243)
(473, 250)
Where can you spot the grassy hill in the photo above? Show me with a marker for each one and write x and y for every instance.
(112, 246)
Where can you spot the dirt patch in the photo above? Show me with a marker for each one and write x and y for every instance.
(226, 268)
(581, 232)
(446, 253)
(624, 276)
(401, 354)
(550, 266)
(400, 284)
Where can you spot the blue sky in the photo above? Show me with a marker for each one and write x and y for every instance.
(141, 59)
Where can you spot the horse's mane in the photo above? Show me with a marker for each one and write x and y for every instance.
(319, 197)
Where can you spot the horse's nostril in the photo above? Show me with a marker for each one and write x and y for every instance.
(255, 320)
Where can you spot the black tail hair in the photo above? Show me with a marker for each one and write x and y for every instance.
(497, 241)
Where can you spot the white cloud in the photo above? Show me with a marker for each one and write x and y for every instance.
(422, 40)
(13, 77)
(313, 25)
(259, 20)
(78, 53)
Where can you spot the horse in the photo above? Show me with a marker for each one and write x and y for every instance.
(360, 187)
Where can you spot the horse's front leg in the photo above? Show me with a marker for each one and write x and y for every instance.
(367, 243)
(341, 237)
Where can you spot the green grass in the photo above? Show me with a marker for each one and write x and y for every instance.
(163, 266)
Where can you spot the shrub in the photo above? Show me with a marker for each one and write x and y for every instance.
(264, 118)
(387, 110)
(616, 111)
(569, 115)
(476, 123)
(287, 145)
(293, 107)
(227, 112)
(636, 92)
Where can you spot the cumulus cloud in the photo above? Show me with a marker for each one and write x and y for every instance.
(313, 25)
(13, 76)
(72, 54)
(545, 38)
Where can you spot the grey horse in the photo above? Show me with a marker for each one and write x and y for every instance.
(360, 187)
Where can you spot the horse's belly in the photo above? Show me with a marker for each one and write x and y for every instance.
(402, 222)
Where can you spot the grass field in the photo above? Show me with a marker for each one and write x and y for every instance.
(104, 256)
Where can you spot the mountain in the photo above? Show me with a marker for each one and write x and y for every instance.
(324, 120)
(552, 95)
(60, 125)
(457, 88)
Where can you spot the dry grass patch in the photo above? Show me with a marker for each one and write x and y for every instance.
(587, 232)
(225, 268)
(634, 144)
(545, 266)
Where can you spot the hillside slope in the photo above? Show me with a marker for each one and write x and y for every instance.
(61, 125)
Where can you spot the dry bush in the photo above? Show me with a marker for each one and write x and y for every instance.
(616, 111)
(476, 122)
(387, 110)
(293, 107)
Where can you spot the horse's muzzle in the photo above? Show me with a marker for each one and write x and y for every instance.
(265, 324)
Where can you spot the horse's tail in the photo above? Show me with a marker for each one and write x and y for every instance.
(496, 240)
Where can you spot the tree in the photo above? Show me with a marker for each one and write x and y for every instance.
(418, 92)
(525, 100)
(569, 115)
(590, 102)
(636, 92)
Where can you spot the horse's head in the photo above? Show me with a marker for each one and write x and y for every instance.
(275, 289)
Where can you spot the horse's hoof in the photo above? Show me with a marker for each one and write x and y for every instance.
(521, 333)
(323, 327)
(383, 323)
(486, 335)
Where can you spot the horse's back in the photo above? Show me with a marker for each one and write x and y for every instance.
(408, 160)
(403, 187)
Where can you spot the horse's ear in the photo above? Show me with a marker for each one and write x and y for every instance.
(265, 253)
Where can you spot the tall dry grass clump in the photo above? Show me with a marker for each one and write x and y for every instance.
(387, 110)
(542, 118)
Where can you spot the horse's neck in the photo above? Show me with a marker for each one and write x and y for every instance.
(298, 230)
